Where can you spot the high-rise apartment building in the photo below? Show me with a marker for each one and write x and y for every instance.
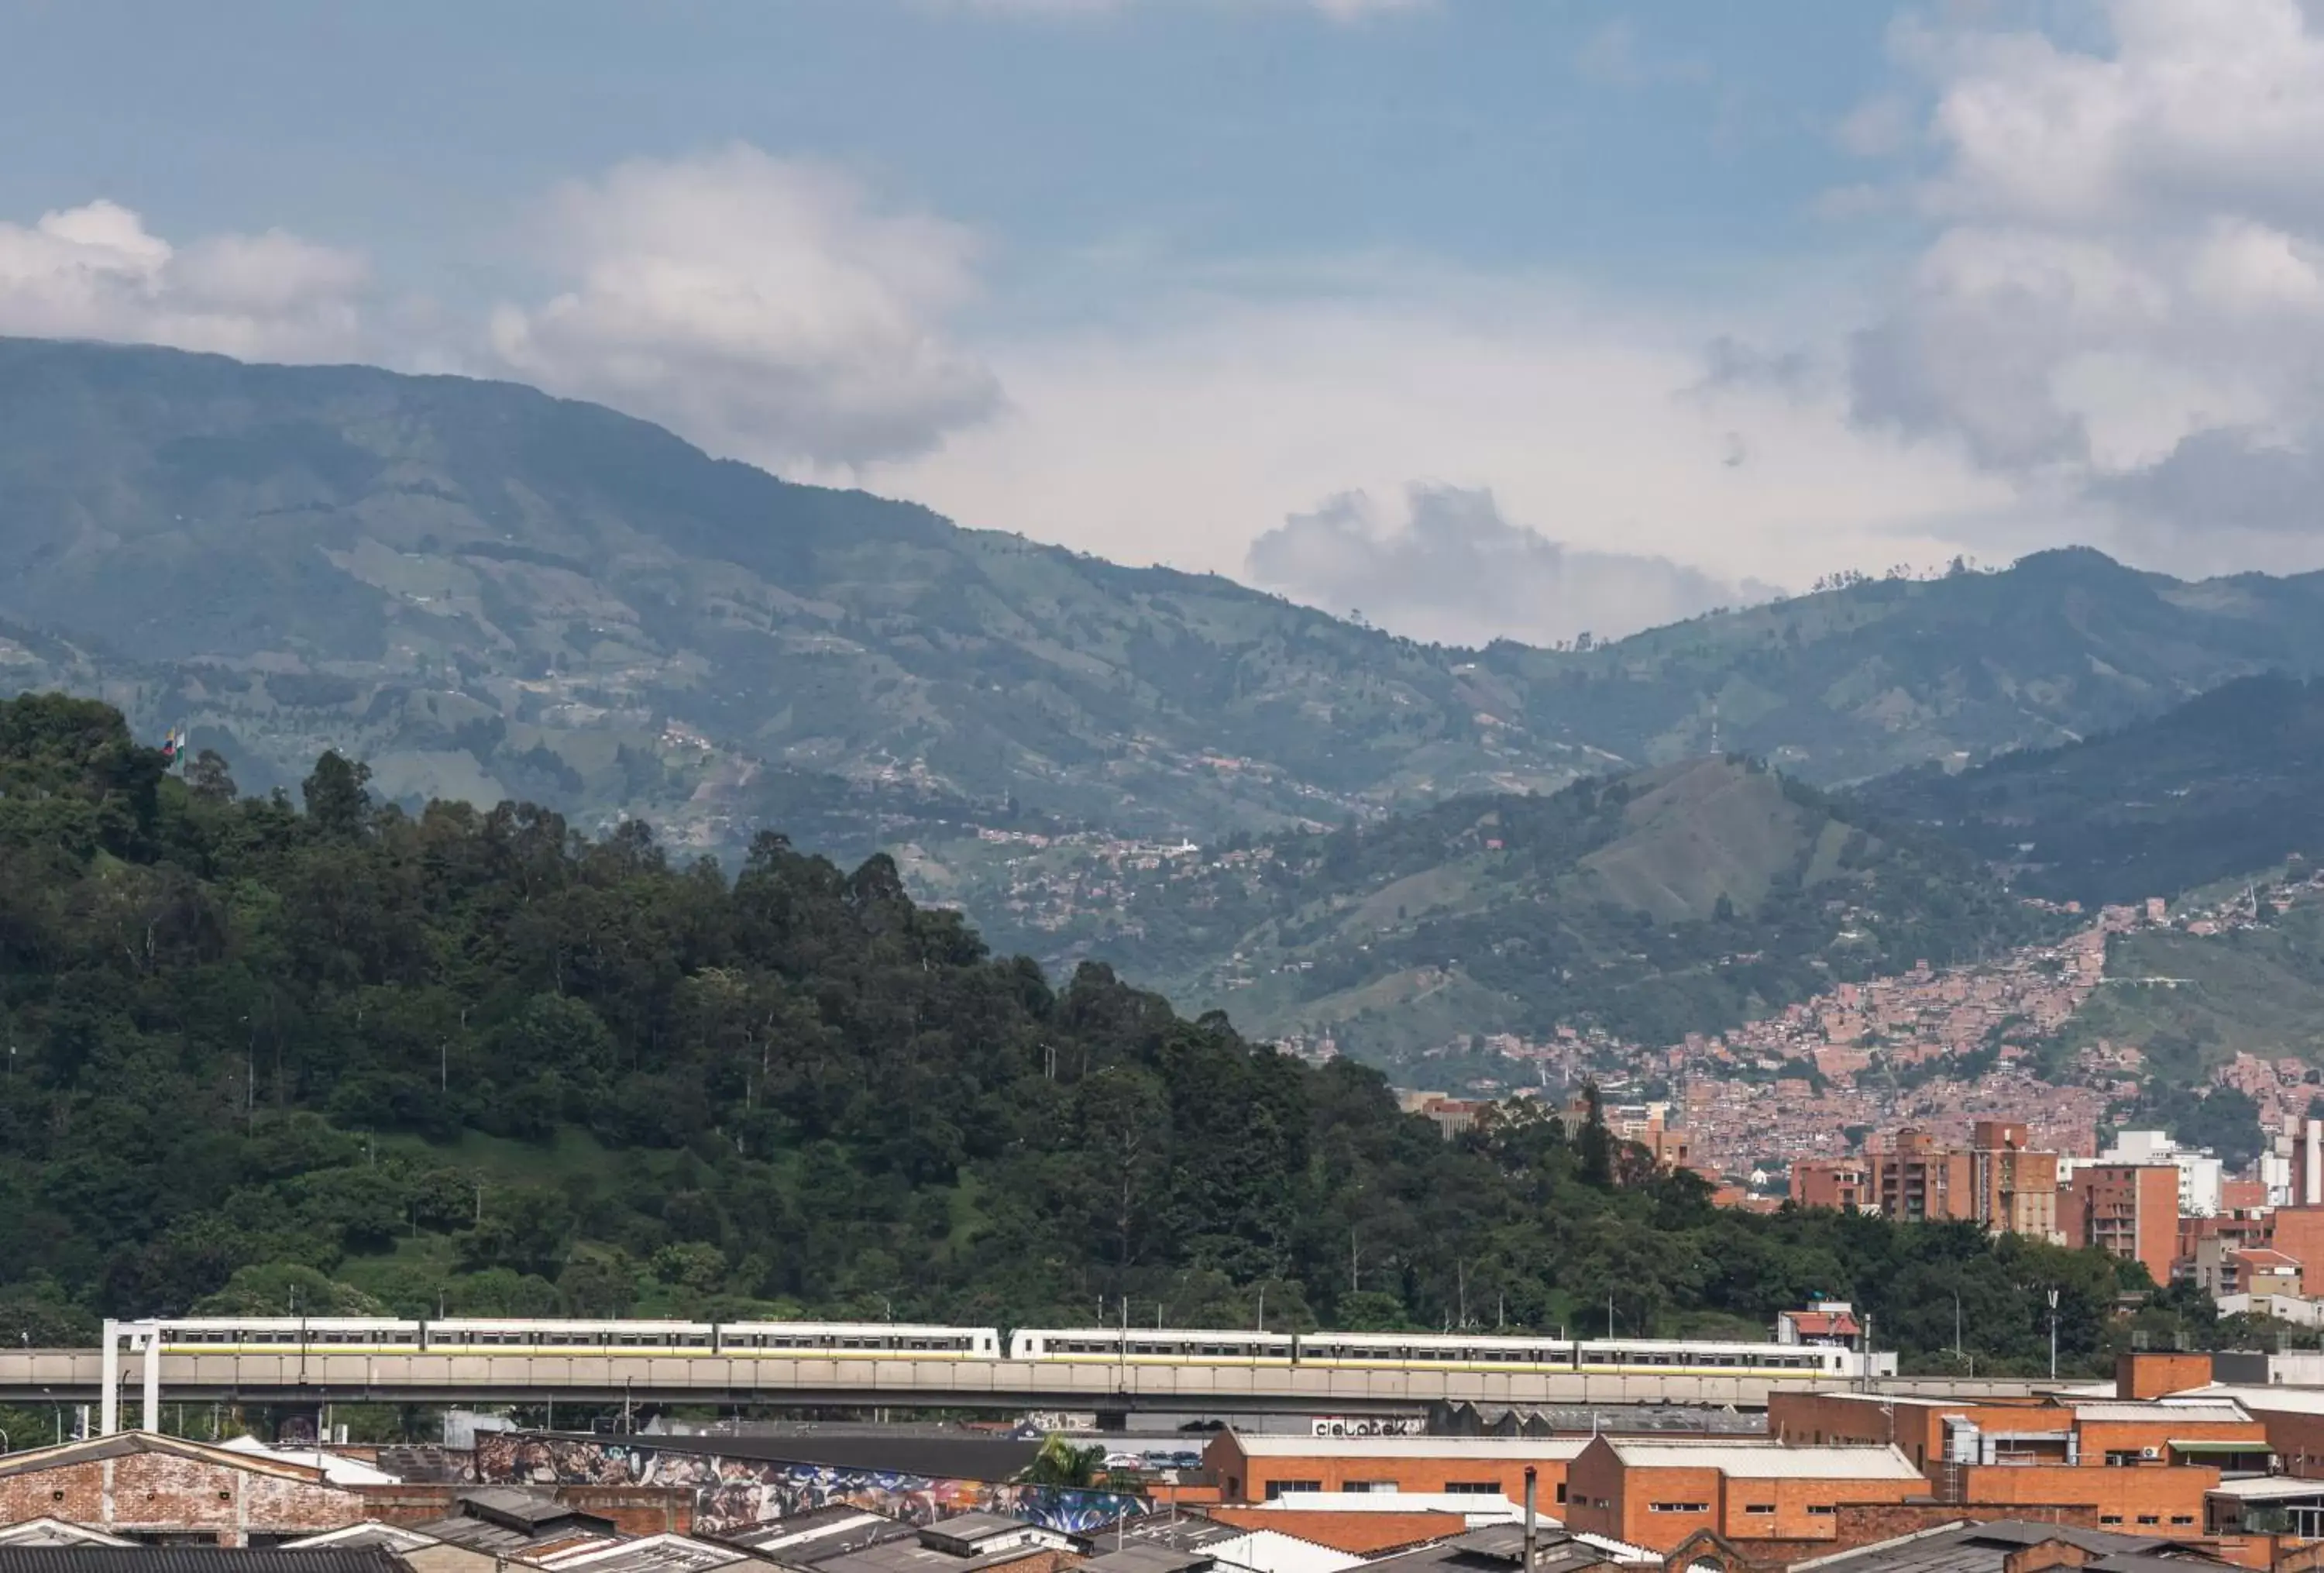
(2130, 1210)
(2016, 1187)
(1998, 1180)
(1839, 1183)
(1914, 1178)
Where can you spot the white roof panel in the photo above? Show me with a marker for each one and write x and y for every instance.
(1480, 1506)
(1770, 1460)
(1273, 1551)
(2223, 1412)
(2270, 1399)
(1515, 1449)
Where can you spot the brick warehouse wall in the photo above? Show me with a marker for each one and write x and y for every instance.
(2162, 1500)
(162, 1494)
(1243, 1477)
(2297, 1439)
(1862, 1523)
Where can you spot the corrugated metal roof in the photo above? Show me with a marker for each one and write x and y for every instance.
(55, 1531)
(1272, 1551)
(1622, 1551)
(824, 1531)
(1770, 1460)
(124, 1444)
(1501, 1549)
(1480, 1505)
(2218, 1414)
(1188, 1531)
(1983, 1547)
(1136, 1557)
(338, 1470)
(2270, 1399)
(196, 1559)
(394, 1538)
(978, 1526)
(2266, 1488)
(668, 1553)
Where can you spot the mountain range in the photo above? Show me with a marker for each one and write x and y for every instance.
(2222, 786)
(487, 592)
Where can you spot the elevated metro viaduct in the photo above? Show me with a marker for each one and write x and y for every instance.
(292, 1377)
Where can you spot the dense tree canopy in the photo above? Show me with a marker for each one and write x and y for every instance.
(344, 1058)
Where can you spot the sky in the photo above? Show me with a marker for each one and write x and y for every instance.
(1474, 317)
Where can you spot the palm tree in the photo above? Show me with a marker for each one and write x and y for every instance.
(1060, 1463)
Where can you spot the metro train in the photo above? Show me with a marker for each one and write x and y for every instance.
(1074, 1345)
(1431, 1352)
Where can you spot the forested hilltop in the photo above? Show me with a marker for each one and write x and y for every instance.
(332, 1056)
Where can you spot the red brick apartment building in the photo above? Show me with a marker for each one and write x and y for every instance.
(2129, 1210)
(1998, 1180)
(1840, 1184)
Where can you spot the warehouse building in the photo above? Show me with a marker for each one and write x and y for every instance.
(1258, 1468)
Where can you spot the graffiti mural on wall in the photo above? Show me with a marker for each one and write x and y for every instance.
(732, 1492)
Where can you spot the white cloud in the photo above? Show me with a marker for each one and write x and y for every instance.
(97, 272)
(766, 308)
(1611, 429)
(2126, 293)
(1447, 566)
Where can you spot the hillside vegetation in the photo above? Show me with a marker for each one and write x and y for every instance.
(485, 592)
(2229, 783)
(1878, 675)
(2192, 1001)
(1683, 898)
(363, 1060)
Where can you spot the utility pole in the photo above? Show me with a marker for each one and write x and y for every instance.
(1532, 1534)
(1609, 1313)
(2054, 1335)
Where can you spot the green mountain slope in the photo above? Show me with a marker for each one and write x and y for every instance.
(486, 592)
(1884, 674)
(373, 1059)
(2191, 1001)
(1670, 899)
(2229, 783)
